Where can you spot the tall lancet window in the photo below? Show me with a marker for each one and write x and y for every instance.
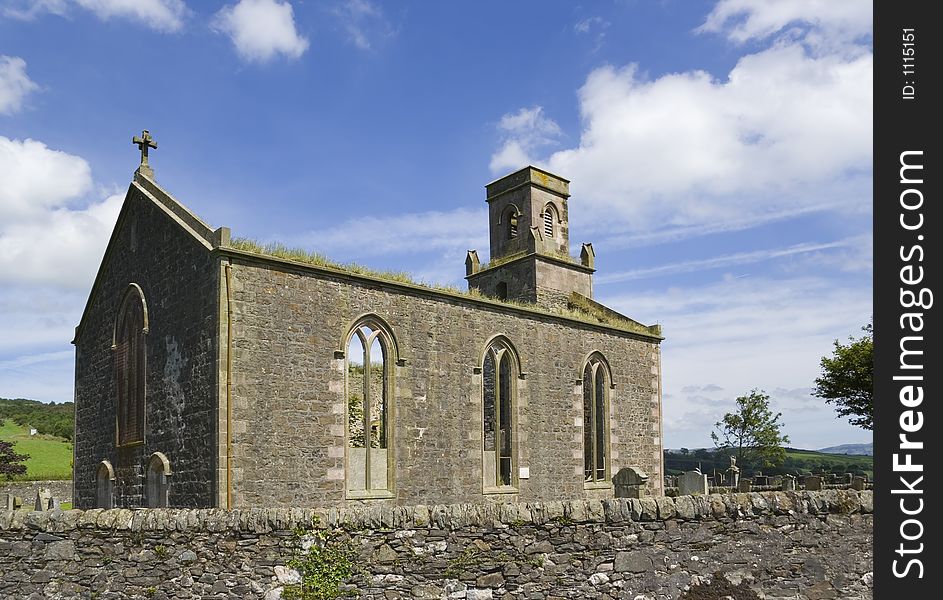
(595, 420)
(130, 354)
(499, 370)
(369, 393)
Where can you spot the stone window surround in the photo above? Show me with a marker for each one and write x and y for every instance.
(517, 373)
(385, 334)
(601, 362)
(133, 291)
(105, 468)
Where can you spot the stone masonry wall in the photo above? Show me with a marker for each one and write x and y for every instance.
(800, 546)
(179, 279)
(288, 440)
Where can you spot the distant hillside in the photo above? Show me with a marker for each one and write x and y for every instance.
(50, 457)
(851, 449)
(797, 462)
(48, 418)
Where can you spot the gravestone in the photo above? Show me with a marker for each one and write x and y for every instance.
(746, 485)
(17, 503)
(789, 483)
(630, 482)
(813, 483)
(53, 504)
(760, 480)
(857, 483)
(9, 502)
(733, 473)
(849, 477)
(42, 499)
(691, 483)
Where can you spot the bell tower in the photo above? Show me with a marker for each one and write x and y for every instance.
(530, 242)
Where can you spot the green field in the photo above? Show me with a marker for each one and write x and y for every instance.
(50, 457)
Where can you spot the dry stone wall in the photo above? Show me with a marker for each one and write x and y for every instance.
(796, 545)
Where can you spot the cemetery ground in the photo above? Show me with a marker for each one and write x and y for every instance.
(50, 457)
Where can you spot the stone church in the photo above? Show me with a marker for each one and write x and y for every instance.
(210, 372)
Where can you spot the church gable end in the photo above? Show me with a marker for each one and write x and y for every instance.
(146, 351)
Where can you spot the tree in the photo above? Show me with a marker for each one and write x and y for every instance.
(10, 461)
(848, 379)
(752, 433)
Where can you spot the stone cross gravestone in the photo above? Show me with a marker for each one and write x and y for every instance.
(691, 483)
(630, 482)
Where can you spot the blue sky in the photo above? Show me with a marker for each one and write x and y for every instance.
(719, 152)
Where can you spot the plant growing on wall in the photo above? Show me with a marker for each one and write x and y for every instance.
(323, 562)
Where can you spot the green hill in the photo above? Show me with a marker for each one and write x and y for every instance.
(50, 457)
(45, 417)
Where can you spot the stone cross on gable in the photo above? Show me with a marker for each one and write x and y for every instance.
(144, 142)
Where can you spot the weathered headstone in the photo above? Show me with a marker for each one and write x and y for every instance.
(857, 483)
(53, 504)
(760, 480)
(776, 480)
(849, 478)
(789, 483)
(630, 482)
(813, 483)
(691, 483)
(9, 502)
(733, 473)
(17, 503)
(42, 499)
(745, 485)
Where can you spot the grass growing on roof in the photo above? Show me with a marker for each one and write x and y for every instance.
(317, 259)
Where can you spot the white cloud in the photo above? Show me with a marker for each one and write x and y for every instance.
(525, 132)
(261, 29)
(15, 84)
(364, 22)
(744, 20)
(788, 130)
(731, 335)
(44, 238)
(161, 15)
(722, 261)
(401, 234)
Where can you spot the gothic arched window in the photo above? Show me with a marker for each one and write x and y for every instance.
(512, 218)
(369, 390)
(130, 366)
(500, 370)
(550, 217)
(595, 419)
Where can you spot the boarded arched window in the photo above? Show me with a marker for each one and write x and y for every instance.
(157, 485)
(500, 370)
(369, 391)
(550, 218)
(130, 366)
(104, 485)
(595, 419)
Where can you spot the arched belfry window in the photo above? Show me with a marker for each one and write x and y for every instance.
(104, 485)
(130, 366)
(550, 218)
(157, 485)
(500, 370)
(369, 360)
(596, 381)
(511, 219)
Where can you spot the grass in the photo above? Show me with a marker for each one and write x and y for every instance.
(50, 457)
(320, 260)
